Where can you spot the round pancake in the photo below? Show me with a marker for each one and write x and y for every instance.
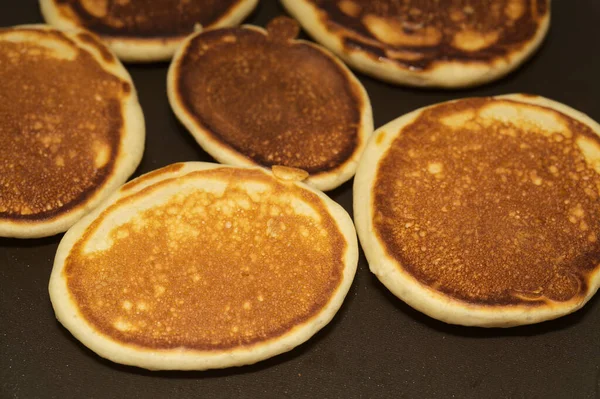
(199, 266)
(141, 30)
(71, 128)
(282, 101)
(484, 211)
(440, 43)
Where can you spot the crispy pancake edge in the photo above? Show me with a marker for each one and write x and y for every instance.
(442, 74)
(130, 152)
(326, 180)
(422, 297)
(67, 313)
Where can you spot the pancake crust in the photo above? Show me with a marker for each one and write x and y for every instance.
(61, 142)
(416, 37)
(205, 261)
(141, 30)
(491, 203)
(281, 102)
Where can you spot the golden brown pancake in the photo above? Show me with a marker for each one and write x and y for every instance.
(201, 266)
(282, 101)
(141, 30)
(484, 211)
(447, 43)
(71, 128)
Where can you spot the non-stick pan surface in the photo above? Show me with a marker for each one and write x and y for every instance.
(376, 346)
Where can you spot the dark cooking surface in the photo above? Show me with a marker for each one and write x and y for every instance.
(376, 346)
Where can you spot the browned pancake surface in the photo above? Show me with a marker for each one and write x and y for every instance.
(490, 213)
(208, 271)
(272, 100)
(143, 18)
(416, 33)
(60, 125)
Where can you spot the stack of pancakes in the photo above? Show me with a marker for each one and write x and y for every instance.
(479, 211)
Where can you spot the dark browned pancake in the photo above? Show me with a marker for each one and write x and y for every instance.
(280, 101)
(420, 35)
(60, 139)
(142, 18)
(492, 202)
(143, 30)
(200, 260)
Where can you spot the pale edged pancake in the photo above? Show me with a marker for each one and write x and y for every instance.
(142, 30)
(256, 97)
(484, 211)
(200, 266)
(439, 43)
(71, 128)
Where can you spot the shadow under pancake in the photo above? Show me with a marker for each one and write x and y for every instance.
(479, 332)
(30, 242)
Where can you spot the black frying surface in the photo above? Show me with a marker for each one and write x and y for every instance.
(376, 346)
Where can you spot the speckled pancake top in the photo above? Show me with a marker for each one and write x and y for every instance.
(492, 210)
(273, 100)
(237, 260)
(417, 33)
(60, 122)
(143, 18)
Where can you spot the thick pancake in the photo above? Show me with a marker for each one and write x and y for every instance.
(141, 30)
(484, 211)
(282, 101)
(71, 128)
(443, 43)
(199, 266)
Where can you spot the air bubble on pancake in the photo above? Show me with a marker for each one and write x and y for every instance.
(470, 40)
(458, 119)
(122, 325)
(350, 8)
(435, 168)
(127, 305)
(302, 208)
(159, 290)
(102, 151)
(96, 8)
(514, 9)
(536, 119)
(590, 150)
(392, 32)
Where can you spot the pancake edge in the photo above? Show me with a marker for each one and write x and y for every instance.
(141, 50)
(419, 296)
(443, 74)
(224, 154)
(181, 358)
(131, 149)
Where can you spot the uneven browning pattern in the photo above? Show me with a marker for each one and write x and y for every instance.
(143, 18)
(493, 202)
(238, 263)
(58, 136)
(416, 33)
(279, 102)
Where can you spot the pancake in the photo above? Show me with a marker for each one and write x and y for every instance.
(282, 101)
(198, 266)
(71, 128)
(439, 43)
(141, 30)
(484, 211)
